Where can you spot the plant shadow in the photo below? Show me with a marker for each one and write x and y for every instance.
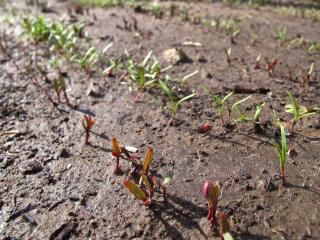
(181, 210)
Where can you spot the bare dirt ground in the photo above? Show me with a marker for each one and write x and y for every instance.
(53, 186)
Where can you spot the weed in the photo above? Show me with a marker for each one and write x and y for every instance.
(299, 112)
(175, 104)
(36, 28)
(87, 123)
(212, 192)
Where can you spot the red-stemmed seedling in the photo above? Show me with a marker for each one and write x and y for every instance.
(118, 152)
(270, 67)
(87, 123)
(225, 227)
(59, 86)
(257, 63)
(306, 77)
(212, 191)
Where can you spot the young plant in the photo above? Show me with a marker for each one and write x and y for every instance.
(119, 151)
(282, 151)
(306, 77)
(212, 191)
(87, 123)
(225, 226)
(270, 67)
(175, 104)
(90, 58)
(138, 192)
(299, 112)
(146, 164)
(255, 119)
(59, 86)
(220, 103)
(36, 28)
(281, 35)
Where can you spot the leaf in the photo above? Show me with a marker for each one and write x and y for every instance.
(115, 147)
(240, 101)
(186, 98)
(146, 182)
(146, 59)
(185, 78)
(167, 90)
(283, 146)
(168, 179)
(89, 87)
(225, 98)
(147, 161)
(258, 112)
(135, 190)
(227, 236)
(107, 48)
(294, 104)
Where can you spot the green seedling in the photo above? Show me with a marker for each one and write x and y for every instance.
(145, 74)
(255, 119)
(59, 86)
(281, 35)
(90, 58)
(298, 111)
(174, 103)
(36, 28)
(282, 151)
(212, 192)
(220, 103)
(87, 123)
(314, 47)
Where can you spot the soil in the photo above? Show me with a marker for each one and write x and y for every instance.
(53, 186)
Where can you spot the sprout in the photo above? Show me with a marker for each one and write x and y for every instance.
(212, 191)
(87, 123)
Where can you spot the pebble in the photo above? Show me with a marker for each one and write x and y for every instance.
(30, 167)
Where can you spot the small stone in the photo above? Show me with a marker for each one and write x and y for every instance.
(31, 167)
(175, 55)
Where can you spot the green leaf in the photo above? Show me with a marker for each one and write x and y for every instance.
(168, 179)
(186, 98)
(146, 59)
(227, 236)
(225, 98)
(294, 104)
(283, 146)
(167, 90)
(135, 190)
(240, 101)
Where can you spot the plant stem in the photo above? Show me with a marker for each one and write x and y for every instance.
(282, 173)
(87, 136)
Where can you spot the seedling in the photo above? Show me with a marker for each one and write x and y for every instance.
(306, 78)
(224, 224)
(255, 119)
(87, 123)
(144, 74)
(36, 28)
(270, 67)
(60, 86)
(175, 104)
(257, 63)
(212, 192)
(90, 58)
(281, 35)
(220, 103)
(119, 151)
(146, 164)
(228, 55)
(299, 112)
(282, 151)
